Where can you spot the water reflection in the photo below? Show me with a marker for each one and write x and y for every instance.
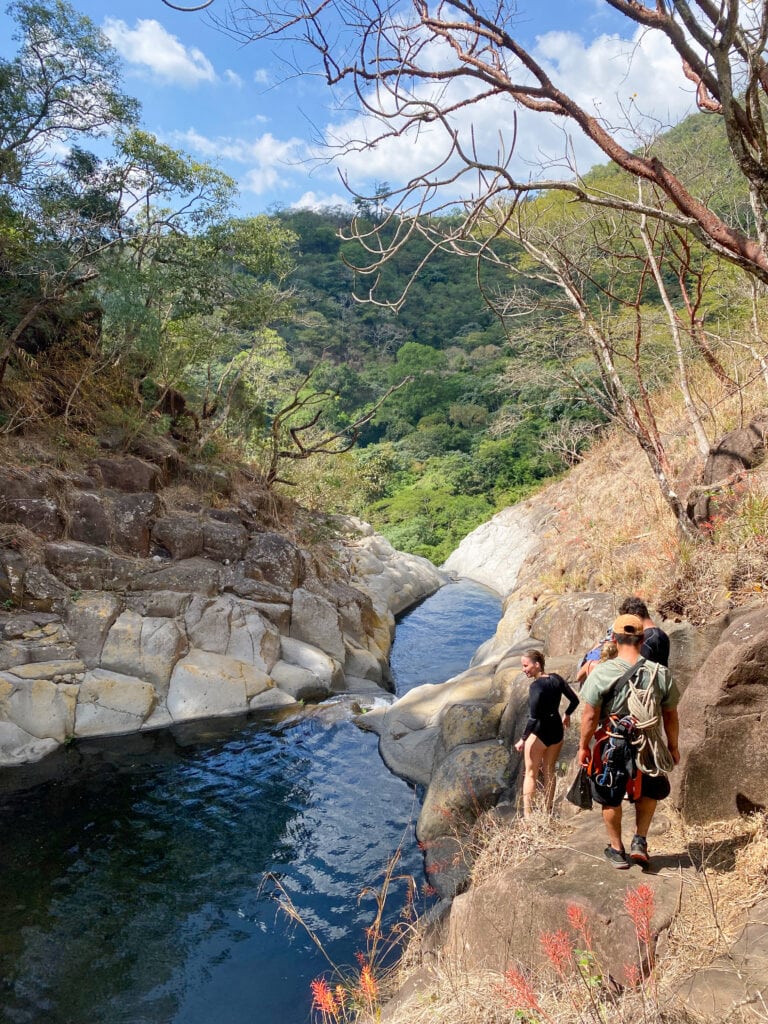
(131, 869)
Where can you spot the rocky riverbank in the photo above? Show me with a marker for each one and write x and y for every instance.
(126, 607)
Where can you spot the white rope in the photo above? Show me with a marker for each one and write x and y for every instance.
(653, 756)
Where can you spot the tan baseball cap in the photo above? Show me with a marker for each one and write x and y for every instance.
(629, 625)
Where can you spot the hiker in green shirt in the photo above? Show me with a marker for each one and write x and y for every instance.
(625, 702)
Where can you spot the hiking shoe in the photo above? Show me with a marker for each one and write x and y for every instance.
(617, 858)
(638, 851)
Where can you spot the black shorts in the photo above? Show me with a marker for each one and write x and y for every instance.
(655, 787)
(550, 730)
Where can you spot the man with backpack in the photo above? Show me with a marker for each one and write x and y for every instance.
(625, 701)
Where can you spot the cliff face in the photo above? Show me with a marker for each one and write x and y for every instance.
(125, 608)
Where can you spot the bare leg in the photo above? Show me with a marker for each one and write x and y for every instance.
(645, 808)
(549, 770)
(534, 752)
(612, 822)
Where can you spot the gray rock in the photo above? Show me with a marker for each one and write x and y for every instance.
(80, 566)
(223, 541)
(40, 515)
(41, 590)
(499, 923)
(225, 625)
(90, 519)
(326, 669)
(193, 575)
(494, 553)
(42, 709)
(126, 473)
(723, 715)
(13, 566)
(470, 779)
(88, 620)
(181, 535)
(272, 558)
(19, 747)
(573, 624)
(270, 700)
(316, 621)
(132, 519)
(361, 663)
(145, 647)
(204, 685)
(299, 683)
(163, 604)
(467, 722)
(110, 703)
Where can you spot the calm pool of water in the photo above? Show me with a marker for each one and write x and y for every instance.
(132, 869)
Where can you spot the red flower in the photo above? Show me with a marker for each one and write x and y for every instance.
(639, 904)
(368, 984)
(559, 949)
(323, 1000)
(577, 918)
(519, 992)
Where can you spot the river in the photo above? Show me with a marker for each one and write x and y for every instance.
(136, 873)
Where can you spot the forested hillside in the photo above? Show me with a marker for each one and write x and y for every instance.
(136, 302)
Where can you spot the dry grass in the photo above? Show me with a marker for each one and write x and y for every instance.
(613, 531)
(732, 858)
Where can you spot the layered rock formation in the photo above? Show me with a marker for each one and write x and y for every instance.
(121, 612)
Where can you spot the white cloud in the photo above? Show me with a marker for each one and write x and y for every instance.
(153, 48)
(319, 201)
(233, 78)
(270, 159)
(261, 76)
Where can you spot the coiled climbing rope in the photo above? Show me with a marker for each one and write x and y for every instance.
(653, 756)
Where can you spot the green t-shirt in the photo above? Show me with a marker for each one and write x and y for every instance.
(599, 681)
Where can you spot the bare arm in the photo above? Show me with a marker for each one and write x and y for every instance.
(590, 718)
(672, 731)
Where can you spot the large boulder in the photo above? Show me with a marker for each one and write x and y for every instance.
(325, 671)
(180, 534)
(724, 725)
(17, 746)
(41, 708)
(469, 780)
(204, 684)
(40, 515)
(126, 473)
(574, 623)
(190, 575)
(110, 703)
(315, 620)
(132, 519)
(225, 625)
(90, 518)
(223, 541)
(88, 621)
(274, 559)
(735, 985)
(145, 647)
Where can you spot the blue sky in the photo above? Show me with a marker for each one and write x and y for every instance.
(237, 106)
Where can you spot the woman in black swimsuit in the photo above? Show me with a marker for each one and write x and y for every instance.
(543, 736)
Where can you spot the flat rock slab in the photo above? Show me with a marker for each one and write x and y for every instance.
(499, 923)
(738, 979)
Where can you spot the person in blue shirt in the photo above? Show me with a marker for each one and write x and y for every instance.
(542, 737)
